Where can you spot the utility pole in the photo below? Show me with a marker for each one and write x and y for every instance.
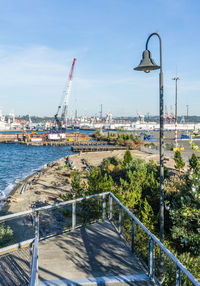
(187, 106)
(176, 112)
(101, 111)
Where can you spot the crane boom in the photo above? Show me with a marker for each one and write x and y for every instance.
(67, 94)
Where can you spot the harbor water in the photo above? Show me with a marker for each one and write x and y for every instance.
(18, 161)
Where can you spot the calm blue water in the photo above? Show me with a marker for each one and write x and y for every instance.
(19, 161)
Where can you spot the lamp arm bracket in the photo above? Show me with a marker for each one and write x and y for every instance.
(156, 34)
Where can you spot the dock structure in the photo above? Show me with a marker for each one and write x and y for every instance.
(66, 142)
(71, 248)
(96, 148)
(41, 139)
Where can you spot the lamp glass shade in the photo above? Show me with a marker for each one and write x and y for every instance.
(147, 64)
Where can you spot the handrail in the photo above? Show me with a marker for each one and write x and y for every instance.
(177, 262)
(15, 215)
(34, 264)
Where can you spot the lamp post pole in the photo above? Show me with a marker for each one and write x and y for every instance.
(176, 112)
(161, 140)
(147, 64)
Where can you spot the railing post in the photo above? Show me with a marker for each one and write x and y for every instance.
(110, 208)
(37, 236)
(133, 236)
(104, 207)
(151, 257)
(178, 276)
(120, 220)
(37, 224)
(73, 215)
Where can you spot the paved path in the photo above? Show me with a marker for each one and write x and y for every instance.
(92, 255)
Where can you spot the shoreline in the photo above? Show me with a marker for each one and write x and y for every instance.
(54, 179)
(17, 189)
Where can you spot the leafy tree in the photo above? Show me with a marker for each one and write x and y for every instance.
(178, 160)
(194, 162)
(78, 188)
(129, 193)
(185, 213)
(98, 183)
(127, 157)
(147, 215)
(131, 137)
(109, 161)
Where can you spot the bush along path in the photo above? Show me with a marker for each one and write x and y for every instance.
(136, 184)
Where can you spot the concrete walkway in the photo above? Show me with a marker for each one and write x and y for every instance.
(92, 255)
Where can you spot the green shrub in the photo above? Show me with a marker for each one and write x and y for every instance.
(6, 234)
(136, 184)
(127, 157)
(194, 162)
(178, 160)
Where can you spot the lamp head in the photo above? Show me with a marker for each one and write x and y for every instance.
(147, 64)
(175, 78)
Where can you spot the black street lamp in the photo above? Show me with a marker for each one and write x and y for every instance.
(147, 64)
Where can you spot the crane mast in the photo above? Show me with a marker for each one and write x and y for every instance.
(64, 115)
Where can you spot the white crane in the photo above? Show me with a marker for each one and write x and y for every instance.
(67, 91)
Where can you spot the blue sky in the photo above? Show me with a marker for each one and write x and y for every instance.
(40, 38)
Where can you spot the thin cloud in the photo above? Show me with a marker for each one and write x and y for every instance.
(32, 66)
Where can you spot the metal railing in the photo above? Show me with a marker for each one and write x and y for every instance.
(152, 240)
(34, 268)
(36, 215)
(107, 211)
